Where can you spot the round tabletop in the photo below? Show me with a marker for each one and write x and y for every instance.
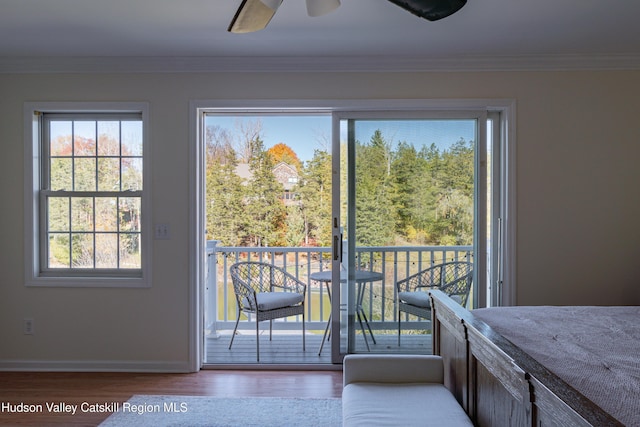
(360, 276)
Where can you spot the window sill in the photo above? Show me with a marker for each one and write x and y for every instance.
(89, 282)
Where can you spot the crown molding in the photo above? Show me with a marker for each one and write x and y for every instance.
(50, 64)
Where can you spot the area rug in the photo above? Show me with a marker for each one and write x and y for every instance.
(206, 411)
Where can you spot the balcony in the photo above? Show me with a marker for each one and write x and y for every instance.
(393, 262)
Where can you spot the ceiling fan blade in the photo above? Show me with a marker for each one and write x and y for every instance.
(431, 9)
(253, 15)
(321, 7)
(273, 4)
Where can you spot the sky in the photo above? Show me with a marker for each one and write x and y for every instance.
(304, 134)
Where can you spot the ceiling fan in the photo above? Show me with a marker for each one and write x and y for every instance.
(254, 15)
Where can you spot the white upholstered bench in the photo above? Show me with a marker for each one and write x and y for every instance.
(398, 390)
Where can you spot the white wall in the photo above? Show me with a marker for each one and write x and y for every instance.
(577, 173)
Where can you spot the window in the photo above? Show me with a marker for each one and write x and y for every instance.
(88, 198)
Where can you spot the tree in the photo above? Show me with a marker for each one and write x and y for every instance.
(458, 167)
(226, 219)
(455, 201)
(248, 132)
(263, 203)
(283, 153)
(295, 226)
(314, 192)
(375, 194)
(404, 170)
(415, 197)
(455, 209)
(218, 144)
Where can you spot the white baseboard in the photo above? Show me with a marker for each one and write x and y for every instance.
(94, 366)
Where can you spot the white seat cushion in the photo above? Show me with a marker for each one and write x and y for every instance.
(421, 299)
(383, 404)
(418, 298)
(274, 300)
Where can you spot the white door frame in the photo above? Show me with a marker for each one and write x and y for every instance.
(197, 243)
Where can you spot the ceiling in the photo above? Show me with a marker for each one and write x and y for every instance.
(366, 32)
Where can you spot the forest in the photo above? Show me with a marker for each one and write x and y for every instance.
(405, 194)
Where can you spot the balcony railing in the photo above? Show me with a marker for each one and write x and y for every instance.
(394, 262)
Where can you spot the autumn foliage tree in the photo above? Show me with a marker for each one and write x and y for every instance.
(281, 152)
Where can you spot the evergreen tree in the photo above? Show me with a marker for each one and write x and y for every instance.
(263, 204)
(375, 194)
(455, 202)
(426, 187)
(295, 226)
(314, 192)
(226, 219)
(404, 170)
(458, 167)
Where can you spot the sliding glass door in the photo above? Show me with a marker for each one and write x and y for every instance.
(367, 199)
(409, 193)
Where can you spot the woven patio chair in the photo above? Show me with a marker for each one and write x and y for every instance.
(266, 292)
(453, 278)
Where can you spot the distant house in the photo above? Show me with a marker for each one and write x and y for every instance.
(285, 174)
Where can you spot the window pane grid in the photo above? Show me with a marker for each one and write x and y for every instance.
(93, 238)
(76, 162)
(92, 194)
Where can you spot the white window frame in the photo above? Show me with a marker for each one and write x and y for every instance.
(35, 274)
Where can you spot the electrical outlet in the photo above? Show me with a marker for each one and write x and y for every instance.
(162, 232)
(28, 327)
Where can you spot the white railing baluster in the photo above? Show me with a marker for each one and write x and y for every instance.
(395, 263)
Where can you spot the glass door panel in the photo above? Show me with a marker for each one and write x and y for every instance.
(408, 186)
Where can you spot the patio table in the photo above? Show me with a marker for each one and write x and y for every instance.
(361, 277)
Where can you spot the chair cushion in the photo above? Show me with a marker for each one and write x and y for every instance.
(406, 404)
(418, 298)
(274, 300)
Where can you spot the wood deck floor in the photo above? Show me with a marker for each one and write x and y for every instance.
(286, 348)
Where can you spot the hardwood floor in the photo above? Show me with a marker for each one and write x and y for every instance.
(40, 388)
